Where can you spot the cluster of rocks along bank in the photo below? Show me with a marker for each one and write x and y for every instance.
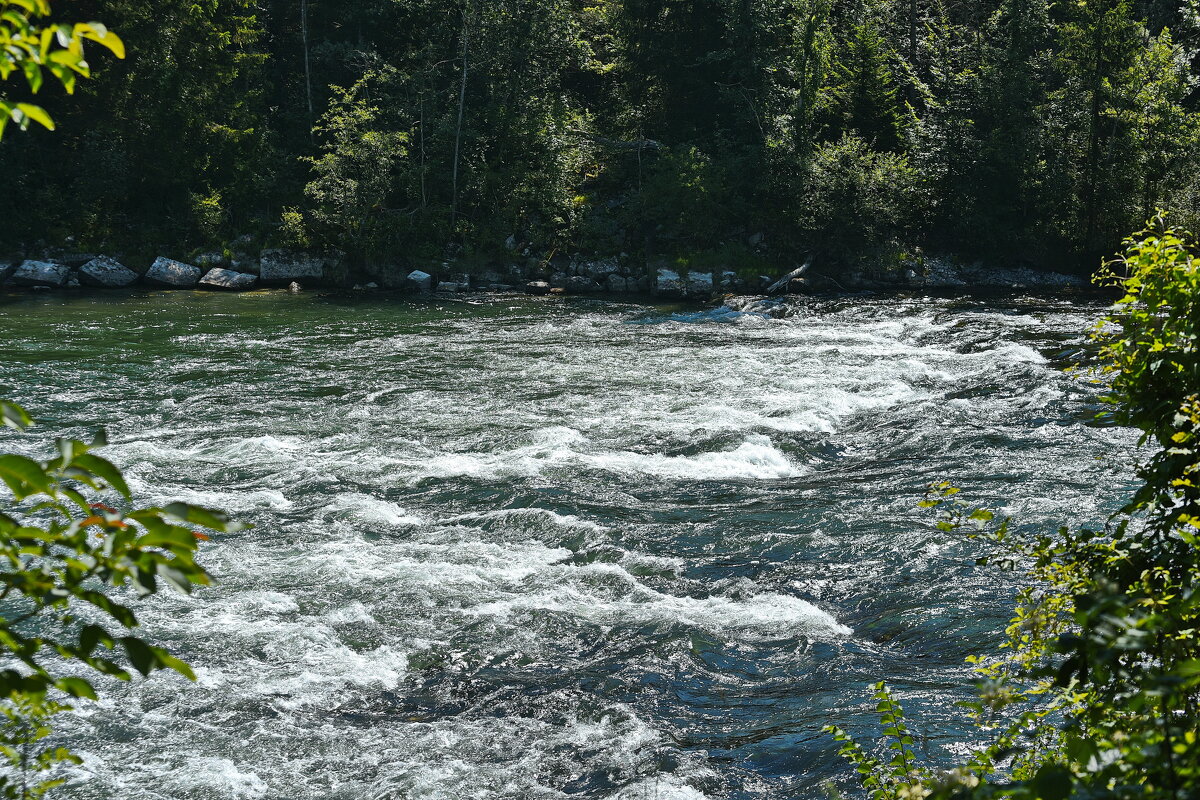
(211, 271)
(577, 276)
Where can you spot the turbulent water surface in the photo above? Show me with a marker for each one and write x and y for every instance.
(525, 548)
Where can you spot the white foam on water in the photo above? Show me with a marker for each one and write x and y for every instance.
(755, 458)
(532, 515)
(767, 613)
(219, 777)
(371, 510)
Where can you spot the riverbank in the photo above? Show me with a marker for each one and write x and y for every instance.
(575, 276)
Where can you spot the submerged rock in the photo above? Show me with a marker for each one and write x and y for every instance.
(174, 274)
(107, 273)
(41, 273)
(219, 278)
(767, 306)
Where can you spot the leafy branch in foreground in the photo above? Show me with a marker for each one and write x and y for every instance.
(62, 553)
(1096, 692)
(35, 49)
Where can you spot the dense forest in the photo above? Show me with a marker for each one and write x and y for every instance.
(702, 133)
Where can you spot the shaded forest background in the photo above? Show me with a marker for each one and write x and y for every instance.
(706, 133)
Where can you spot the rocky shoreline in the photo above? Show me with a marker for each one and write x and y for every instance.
(578, 276)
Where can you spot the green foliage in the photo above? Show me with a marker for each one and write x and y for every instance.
(1096, 693)
(858, 200)
(355, 173)
(1017, 129)
(37, 49)
(69, 567)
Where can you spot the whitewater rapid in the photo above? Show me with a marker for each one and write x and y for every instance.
(526, 548)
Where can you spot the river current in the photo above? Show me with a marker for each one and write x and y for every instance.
(528, 548)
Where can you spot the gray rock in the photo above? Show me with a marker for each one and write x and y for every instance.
(40, 273)
(510, 243)
(668, 283)
(175, 274)
(107, 273)
(284, 266)
(72, 283)
(617, 283)
(449, 286)
(537, 287)
(1020, 278)
(419, 281)
(699, 284)
(6, 268)
(756, 239)
(597, 270)
(558, 280)
(581, 284)
(220, 278)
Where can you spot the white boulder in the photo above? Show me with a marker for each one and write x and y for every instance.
(220, 278)
(41, 273)
(106, 273)
(171, 273)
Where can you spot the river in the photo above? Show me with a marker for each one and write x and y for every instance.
(513, 547)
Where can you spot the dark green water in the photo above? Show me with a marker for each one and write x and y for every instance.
(524, 548)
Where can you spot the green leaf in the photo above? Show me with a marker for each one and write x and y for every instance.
(13, 416)
(201, 516)
(104, 469)
(24, 475)
(76, 687)
(141, 655)
(37, 114)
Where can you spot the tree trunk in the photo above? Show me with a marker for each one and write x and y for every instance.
(307, 67)
(462, 103)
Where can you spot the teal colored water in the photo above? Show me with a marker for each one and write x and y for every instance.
(530, 548)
